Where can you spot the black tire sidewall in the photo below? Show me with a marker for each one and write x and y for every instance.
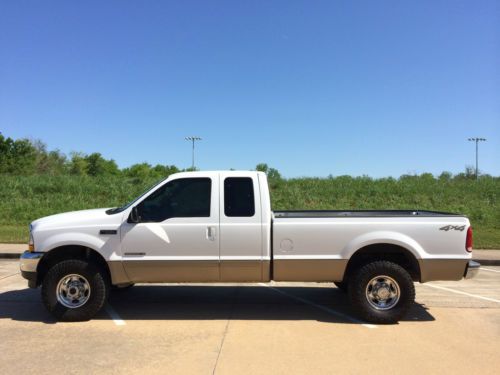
(116, 288)
(99, 290)
(343, 286)
(357, 292)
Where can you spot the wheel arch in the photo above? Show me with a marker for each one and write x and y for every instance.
(67, 252)
(384, 251)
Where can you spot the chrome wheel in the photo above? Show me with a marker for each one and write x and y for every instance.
(73, 291)
(382, 292)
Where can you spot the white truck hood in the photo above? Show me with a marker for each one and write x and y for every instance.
(95, 217)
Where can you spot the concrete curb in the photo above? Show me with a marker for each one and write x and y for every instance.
(10, 255)
(488, 262)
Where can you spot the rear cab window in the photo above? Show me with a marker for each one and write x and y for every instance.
(239, 198)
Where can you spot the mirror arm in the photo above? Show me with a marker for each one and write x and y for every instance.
(133, 217)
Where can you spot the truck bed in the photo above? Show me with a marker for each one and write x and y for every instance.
(361, 213)
(316, 245)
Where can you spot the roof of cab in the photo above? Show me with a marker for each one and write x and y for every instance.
(226, 172)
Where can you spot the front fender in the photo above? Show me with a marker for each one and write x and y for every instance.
(68, 239)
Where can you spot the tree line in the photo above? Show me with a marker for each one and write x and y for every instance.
(24, 157)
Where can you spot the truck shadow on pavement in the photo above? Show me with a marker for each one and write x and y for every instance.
(195, 302)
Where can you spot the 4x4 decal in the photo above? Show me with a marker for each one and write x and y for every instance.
(446, 228)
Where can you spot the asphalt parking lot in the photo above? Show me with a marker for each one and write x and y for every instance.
(281, 328)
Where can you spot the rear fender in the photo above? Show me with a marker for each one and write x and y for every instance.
(383, 237)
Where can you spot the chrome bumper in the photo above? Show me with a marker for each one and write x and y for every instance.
(29, 261)
(472, 269)
(28, 264)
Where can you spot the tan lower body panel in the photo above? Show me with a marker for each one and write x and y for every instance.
(442, 269)
(164, 271)
(266, 271)
(309, 269)
(118, 274)
(137, 271)
(244, 270)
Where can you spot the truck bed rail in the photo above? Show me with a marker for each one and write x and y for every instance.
(360, 213)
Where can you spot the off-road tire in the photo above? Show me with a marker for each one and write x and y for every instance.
(342, 285)
(124, 288)
(358, 283)
(99, 290)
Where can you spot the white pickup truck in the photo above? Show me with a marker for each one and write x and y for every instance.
(219, 227)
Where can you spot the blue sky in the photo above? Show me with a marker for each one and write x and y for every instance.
(310, 87)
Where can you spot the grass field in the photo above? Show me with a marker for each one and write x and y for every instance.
(23, 199)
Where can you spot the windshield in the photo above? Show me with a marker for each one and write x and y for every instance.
(117, 210)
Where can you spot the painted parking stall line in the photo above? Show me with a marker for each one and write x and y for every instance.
(114, 315)
(489, 270)
(321, 307)
(14, 274)
(463, 293)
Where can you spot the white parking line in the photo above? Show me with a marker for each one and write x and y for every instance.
(114, 315)
(14, 274)
(487, 269)
(321, 307)
(460, 292)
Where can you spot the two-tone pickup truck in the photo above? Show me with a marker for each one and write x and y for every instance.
(219, 227)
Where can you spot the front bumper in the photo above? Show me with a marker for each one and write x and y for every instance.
(472, 269)
(28, 264)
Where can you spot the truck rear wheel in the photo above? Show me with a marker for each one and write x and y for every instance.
(381, 292)
(74, 290)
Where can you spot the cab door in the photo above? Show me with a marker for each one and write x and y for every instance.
(177, 236)
(240, 228)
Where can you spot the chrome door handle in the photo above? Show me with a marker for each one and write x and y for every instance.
(211, 233)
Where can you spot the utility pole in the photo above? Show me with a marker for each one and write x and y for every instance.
(477, 140)
(193, 139)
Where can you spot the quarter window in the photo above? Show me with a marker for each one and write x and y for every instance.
(239, 197)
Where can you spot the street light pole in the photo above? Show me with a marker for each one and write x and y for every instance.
(193, 139)
(477, 140)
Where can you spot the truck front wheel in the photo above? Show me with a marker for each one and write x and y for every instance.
(74, 290)
(381, 292)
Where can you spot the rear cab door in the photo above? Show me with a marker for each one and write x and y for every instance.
(241, 245)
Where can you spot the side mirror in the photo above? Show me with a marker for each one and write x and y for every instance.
(134, 216)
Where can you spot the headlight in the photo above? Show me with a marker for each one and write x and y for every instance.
(31, 243)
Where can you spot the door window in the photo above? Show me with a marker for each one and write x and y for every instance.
(184, 197)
